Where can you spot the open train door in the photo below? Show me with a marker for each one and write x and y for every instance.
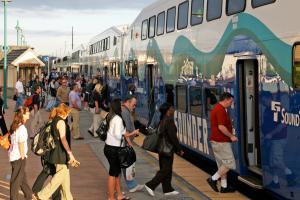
(150, 79)
(249, 121)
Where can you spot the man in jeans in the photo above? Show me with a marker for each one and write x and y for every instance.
(128, 107)
(20, 93)
(75, 104)
(221, 139)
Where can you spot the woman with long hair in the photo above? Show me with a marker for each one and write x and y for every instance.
(168, 130)
(2, 120)
(17, 154)
(115, 134)
(60, 156)
(97, 98)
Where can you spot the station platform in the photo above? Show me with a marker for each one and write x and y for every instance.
(89, 181)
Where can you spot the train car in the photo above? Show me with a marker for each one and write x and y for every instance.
(105, 50)
(189, 52)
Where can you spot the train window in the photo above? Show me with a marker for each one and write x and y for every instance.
(144, 29)
(235, 6)
(171, 17)
(214, 9)
(183, 14)
(108, 43)
(211, 96)
(258, 3)
(115, 41)
(196, 101)
(197, 12)
(152, 23)
(160, 23)
(135, 68)
(296, 66)
(181, 98)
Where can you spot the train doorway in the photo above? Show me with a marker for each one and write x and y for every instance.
(150, 75)
(249, 114)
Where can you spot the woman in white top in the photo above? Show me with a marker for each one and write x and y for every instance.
(18, 154)
(113, 141)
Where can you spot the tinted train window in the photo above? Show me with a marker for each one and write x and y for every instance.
(171, 16)
(183, 13)
(197, 12)
(211, 97)
(152, 21)
(257, 3)
(235, 6)
(144, 29)
(160, 23)
(296, 67)
(181, 98)
(214, 9)
(196, 101)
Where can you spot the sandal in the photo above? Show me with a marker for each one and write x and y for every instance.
(124, 198)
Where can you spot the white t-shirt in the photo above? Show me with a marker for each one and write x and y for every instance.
(115, 131)
(19, 136)
(19, 87)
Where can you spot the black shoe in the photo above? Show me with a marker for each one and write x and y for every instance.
(228, 189)
(213, 184)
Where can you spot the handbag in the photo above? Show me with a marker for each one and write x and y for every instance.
(164, 147)
(15, 97)
(151, 140)
(126, 155)
(103, 128)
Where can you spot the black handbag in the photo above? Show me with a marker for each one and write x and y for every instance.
(151, 140)
(103, 128)
(164, 147)
(126, 155)
(15, 97)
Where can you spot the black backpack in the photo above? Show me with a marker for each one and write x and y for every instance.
(91, 100)
(43, 140)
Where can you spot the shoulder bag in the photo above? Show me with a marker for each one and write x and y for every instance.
(126, 155)
(151, 141)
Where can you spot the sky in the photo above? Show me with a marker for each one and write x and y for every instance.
(47, 24)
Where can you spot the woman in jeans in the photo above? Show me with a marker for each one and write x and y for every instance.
(17, 154)
(60, 156)
(167, 129)
(115, 134)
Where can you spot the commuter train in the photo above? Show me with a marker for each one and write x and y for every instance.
(189, 52)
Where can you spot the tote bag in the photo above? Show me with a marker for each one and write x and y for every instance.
(126, 155)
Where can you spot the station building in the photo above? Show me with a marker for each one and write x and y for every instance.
(21, 61)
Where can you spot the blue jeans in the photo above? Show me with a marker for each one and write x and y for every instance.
(20, 101)
(129, 183)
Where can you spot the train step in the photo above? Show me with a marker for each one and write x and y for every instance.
(252, 181)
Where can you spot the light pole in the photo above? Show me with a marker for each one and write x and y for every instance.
(5, 49)
(18, 28)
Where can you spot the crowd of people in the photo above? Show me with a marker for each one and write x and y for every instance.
(75, 94)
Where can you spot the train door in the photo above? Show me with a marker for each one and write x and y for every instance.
(150, 75)
(249, 118)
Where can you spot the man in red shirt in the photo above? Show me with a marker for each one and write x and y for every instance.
(221, 139)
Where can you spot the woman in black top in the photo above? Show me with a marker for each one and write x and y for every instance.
(168, 130)
(61, 156)
(2, 120)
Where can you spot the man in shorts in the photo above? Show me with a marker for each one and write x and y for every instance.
(221, 139)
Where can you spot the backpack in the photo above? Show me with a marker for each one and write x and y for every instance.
(43, 140)
(29, 101)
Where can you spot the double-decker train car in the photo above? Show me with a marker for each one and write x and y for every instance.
(189, 52)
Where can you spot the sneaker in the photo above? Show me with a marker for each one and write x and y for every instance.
(213, 184)
(136, 188)
(227, 189)
(171, 193)
(150, 191)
